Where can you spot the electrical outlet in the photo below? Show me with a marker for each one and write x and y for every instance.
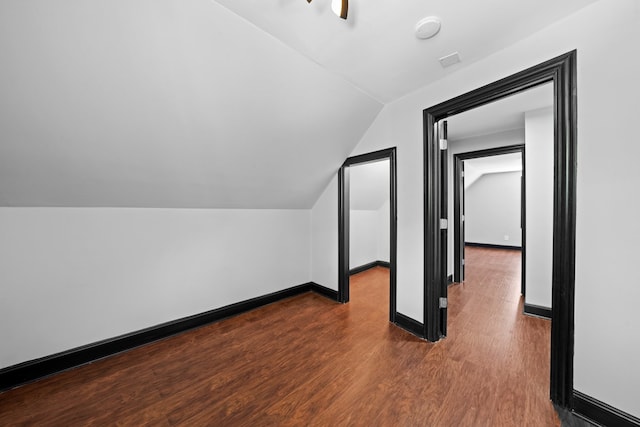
(506, 237)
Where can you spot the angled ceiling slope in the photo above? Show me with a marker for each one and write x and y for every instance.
(376, 47)
(164, 103)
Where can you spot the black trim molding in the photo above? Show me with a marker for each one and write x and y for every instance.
(324, 291)
(492, 246)
(32, 370)
(606, 415)
(537, 310)
(343, 223)
(410, 325)
(368, 266)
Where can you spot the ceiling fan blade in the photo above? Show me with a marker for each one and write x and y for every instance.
(340, 8)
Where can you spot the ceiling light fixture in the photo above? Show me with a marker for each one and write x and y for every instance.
(427, 27)
(339, 7)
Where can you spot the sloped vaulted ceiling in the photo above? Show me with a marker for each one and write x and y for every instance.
(164, 103)
(216, 103)
(376, 47)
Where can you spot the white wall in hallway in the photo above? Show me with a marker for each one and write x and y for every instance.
(493, 209)
(363, 241)
(384, 232)
(324, 237)
(74, 276)
(539, 206)
(369, 195)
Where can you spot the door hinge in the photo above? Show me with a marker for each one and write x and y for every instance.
(443, 143)
(444, 224)
(462, 262)
(463, 217)
(443, 302)
(462, 174)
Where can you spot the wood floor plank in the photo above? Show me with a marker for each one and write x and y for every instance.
(310, 361)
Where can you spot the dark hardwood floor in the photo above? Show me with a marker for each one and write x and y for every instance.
(310, 361)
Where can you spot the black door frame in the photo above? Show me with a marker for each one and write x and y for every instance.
(458, 226)
(562, 71)
(343, 224)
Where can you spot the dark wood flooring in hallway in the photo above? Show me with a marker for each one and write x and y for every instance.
(310, 361)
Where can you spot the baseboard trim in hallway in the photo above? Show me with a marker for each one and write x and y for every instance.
(324, 291)
(492, 246)
(537, 310)
(33, 370)
(603, 414)
(410, 325)
(369, 265)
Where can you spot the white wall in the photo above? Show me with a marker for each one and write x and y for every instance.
(368, 185)
(369, 236)
(606, 352)
(368, 195)
(73, 276)
(363, 240)
(539, 206)
(324, 237)
(384, 232)
(493, 209)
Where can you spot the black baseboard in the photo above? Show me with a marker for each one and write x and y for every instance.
(32, 370)
(536, 310)
(492, 246)
(601, 413)
(324, 291)
(367, 266)
(410, 325)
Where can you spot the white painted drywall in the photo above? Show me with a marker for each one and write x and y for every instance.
(368, 185)
(384, 232)
(73, 276)
(363, 240)
(324, 237)
(606, 348)
(369, 236)
(539, 206)
(368, 194)
(493, 209)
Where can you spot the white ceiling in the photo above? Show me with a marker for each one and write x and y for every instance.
(474, 169)
(164, 103)
(215, 104)
(495, 164)
(499, 116)
(376, 48)
(369, 185)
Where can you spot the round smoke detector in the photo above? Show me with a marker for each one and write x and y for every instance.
(427, 27)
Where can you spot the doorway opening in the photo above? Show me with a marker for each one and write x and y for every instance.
(344, 224)
(560, 71)
(496, 224)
